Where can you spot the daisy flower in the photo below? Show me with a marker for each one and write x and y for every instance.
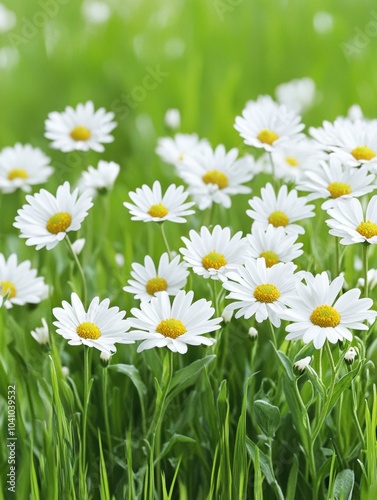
(100, 326)
(298, 95)
(148, 280)
(353, 142)
(316, 315)
(23, 166)
(293, 158)
(184, 322)
(336, 182)
(150, 205)
(19, 284)
(100, 179)
(273, 244)
(80, 129)
(174, 150)
(211, 254)
(348, 221)
(266, 124)
(256, 289)
(46, 219)
(215, 175)
(281, 210)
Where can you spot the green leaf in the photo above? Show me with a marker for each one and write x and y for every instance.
(292, 480)
(133, 373)
(343, 384)
(317, 383)
(343, 486)
(286, 363)
(188, 375)
(175, 439)
(267, 417)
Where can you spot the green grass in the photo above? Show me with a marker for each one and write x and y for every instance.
(196, 432)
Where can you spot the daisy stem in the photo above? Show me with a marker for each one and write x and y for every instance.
(354, 411)
(330, 392)
(272, 165)
(106, 412)
(157, 419)
(273, 336)
(165, 239)
(81, 271)
(365, 268)
(87, 387)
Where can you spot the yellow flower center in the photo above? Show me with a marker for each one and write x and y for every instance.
(156, 284)
(88, 330)
(213, 260)
(17, 173)
(278, 219)
(80, 133)
(267, 136)
(292, 162)
(270, 257)
(367, 229)
(158, 210)
(171, 328)
(325, 316)
(337, 189)
(363, 153)
(266, 293)
(216, 177)
(7, 287)
(59, 222)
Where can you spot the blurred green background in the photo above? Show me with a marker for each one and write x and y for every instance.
(217, 54)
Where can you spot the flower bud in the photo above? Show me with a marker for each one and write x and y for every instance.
(41, 334)
(350, 356)
(253, 333)
(300, 365)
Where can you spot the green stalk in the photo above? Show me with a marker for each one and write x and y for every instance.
(106, 411)
(165, 239)
(87, 387)
(79, 267)
(365, 268)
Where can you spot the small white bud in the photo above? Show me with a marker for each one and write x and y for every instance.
(78, 245)
(227, 315)
(253, 333)
(65, 371)
(41, 334)
(350, 355)
(302, 364)
(105, 358)
(172, 118)
(119, 259)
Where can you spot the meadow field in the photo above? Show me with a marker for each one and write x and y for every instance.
(234, 417)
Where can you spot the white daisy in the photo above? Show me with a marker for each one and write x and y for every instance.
(298, 95)
(266, 124)
(273, 244)
(151, 205)
(148, 280)
(349, 223)
(260, 290)
(293, 158)
(215, 175)
(161, 324)
(335, 182)
(41, 334)
(316, 315)
(19, 284)
(46, 219)
(80, 129)
(353, 142)
(23, 166)
(211, 254)
(100, 326)
(174, 150)
(100, 179)
(281, 210)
